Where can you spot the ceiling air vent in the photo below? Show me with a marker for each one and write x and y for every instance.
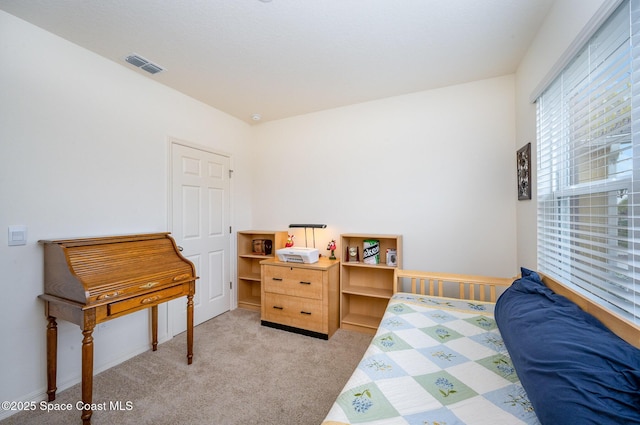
(142, 63)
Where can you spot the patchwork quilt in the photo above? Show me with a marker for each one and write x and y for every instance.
(434, 361)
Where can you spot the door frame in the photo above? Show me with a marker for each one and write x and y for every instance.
(171, 141)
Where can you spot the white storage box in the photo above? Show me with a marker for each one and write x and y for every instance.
(298, 255)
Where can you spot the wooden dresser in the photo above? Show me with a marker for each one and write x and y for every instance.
(91, 280)
(302, 298)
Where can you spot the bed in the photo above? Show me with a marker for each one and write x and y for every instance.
(459, 349)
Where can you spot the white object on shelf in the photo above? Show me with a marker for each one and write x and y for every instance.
(298, 255)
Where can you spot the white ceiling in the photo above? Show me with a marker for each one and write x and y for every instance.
(283, 58)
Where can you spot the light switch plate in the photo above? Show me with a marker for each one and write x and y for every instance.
(17, 235)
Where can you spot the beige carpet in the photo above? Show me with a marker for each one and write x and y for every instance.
(242, 373)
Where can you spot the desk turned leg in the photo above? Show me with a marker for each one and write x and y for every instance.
(189, 329)
(87, 373)
(52, 357)
(154, 327)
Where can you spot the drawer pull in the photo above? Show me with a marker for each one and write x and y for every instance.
(306, 312)
(279, 279)
(149, 285)
(277, 307)
(182, 277)
(109, 295)
(305, 283)
(150, 299)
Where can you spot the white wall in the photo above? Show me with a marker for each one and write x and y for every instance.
(84, 149)
(563, 25)
(436, 166)
(83, 143)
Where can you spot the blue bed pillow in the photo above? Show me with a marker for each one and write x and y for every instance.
(574, 370)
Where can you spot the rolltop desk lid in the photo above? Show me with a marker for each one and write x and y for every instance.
(98, 270)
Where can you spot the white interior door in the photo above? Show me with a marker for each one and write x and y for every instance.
(200, 225)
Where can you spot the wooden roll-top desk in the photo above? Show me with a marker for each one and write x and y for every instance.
(91, 280)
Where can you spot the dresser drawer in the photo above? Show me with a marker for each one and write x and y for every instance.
(293, 281)
(146, 300)
(297, 312)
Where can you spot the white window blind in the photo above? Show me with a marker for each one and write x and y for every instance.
(589, 165)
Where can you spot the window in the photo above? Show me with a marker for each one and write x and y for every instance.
(588, 169)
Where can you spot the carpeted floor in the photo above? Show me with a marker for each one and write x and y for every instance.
(242, 373)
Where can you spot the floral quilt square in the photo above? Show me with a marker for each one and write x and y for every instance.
(514, 400)
(491, 340)
(441, 333)
(483, 322)
(479, 306)
(399, 308)
(389, 342)
(446, 388)
(365, 403)
(394, 322)
(380, 366)
(501, 365)
(443, 356)
(440, 316)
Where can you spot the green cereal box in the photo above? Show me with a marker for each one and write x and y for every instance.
(371, 251)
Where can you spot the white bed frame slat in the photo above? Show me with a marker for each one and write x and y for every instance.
(469, 287)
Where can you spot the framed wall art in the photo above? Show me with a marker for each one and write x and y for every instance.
(523, 164)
